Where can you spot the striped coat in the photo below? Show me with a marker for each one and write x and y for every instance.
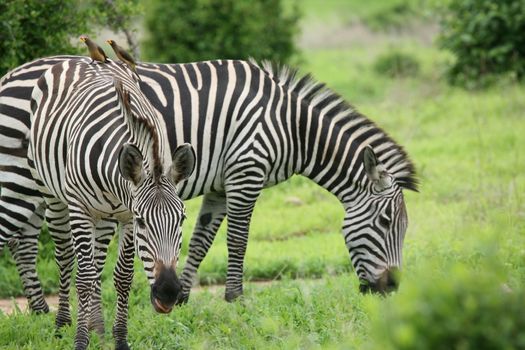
(255, 126)
(99, 151)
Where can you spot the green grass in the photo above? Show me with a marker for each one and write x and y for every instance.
(287, 314)
(470, 212)
(378, 15)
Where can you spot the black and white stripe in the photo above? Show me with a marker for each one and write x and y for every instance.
(98, 150)
(253, 127)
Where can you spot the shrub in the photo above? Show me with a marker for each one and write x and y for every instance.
(464, 310)
(393, 14)
(192, 30)
(396, 64)
(486, 38)
(119, 16)
(30, 29)
(33, 28)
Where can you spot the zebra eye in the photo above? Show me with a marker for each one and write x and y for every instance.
(384, 220)
(140, 223)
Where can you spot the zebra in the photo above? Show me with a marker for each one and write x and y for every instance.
(253, 127)
(99, 150)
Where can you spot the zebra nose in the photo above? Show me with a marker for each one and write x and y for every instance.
(387, 282)
(165, 290)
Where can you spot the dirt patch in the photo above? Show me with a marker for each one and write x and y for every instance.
(328, 35)
(9, 306)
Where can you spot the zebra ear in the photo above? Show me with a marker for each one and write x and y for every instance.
(130, 164)
(183, 163)
(375, 170)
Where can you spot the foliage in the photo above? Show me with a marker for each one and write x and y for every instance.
(33, 28)
(466, 309)
(115, 14)
(119, 16)
(183, 31)
(393, 15)
(486, 38)
(30, 29)
(396, 63)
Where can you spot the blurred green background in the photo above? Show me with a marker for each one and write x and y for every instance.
(441, 85)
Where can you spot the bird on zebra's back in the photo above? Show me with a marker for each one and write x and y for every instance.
(95, 52)
(124, 56)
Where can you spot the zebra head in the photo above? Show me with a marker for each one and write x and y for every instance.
(374, 228)
(158, 214)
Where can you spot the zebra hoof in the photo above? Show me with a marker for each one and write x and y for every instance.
(182, 299)
(231, 296)
(61, 324)
(122, 346)
(99, 329)
(58, 334)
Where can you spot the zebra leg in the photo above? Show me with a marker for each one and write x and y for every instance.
(18, 201)
(211, 215)
(104, 233)
(122, 277)
(82, 229)
(240, 204)
(25, 252)
(57, 217)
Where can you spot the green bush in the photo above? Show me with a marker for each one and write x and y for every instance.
(396, 64)
(193, 30)
(487, 39)
(30, 29)
(465, 309)
(394, 14)
(34, 28)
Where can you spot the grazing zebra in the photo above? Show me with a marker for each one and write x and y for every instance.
(254, 127)
(99, 150)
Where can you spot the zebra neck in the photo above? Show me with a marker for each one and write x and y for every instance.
(331, 142)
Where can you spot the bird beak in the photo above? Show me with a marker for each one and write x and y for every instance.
(109, 41)
(82, 39)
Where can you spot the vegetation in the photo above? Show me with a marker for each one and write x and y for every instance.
(32, 28)
(119, 16)
(395, 63)
(185, 31)
(464, 310)
(486, 38)
(464, 253)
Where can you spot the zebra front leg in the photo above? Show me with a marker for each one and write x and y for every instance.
(104, 233)
(211, 215)
(57, 217)
(240, 206)
(82, 229)
(123, 276)
(25, 252)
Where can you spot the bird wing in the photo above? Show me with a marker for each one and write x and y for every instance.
(100, 51)
(127, 56)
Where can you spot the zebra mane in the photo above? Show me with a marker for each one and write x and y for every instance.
(389, 152)
(138, 124)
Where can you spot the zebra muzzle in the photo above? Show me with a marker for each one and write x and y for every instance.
(157, 305)
(387, 282)
(166, 289)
